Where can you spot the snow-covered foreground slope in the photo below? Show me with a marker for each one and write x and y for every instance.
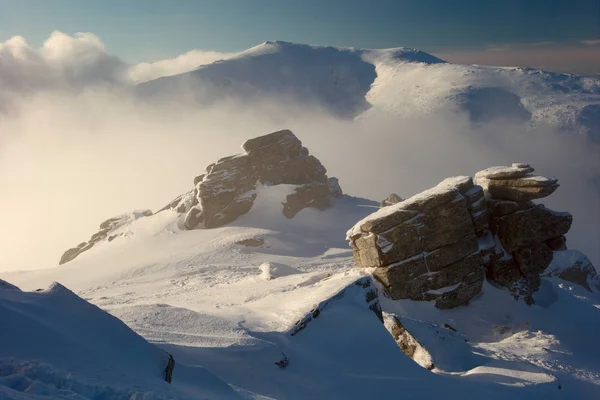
(206, 300)
(401, 81)
(55, 345)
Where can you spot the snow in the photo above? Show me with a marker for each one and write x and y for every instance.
(447, 185)
(48, 335)
(225, 311)
(274, 270)
(204, 299)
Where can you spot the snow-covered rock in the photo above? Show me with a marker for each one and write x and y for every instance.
(109, 230)
(425, 247)
(432, 245)
(574, 266)
(527, 233)
(392, 199)
(228, 188)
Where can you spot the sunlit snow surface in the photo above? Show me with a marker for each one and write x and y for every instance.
(205, 299)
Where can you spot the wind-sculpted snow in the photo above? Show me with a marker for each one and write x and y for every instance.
(203, 297)
(55, 344)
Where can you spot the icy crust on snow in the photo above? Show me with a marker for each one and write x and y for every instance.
(413, 203)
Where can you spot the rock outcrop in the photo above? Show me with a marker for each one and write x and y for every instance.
(227, 190)
(407, 342)
(526, 234)
(392, 199)
(433, 246)
(109, 230)
(425, 247)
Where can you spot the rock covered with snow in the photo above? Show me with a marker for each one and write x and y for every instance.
(526, 234)
(574, 266)
(109, 230)
(392, 199)
(227, 189)
(425, 247)
(432, 245)
(515, 183)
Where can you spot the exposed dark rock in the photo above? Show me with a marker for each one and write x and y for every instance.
(251, 242)
(425, 243)
(407, 342)
(531, 226)
(106, 227)
(390, 200)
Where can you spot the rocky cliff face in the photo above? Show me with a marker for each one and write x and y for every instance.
(438, 244)
(227, 189)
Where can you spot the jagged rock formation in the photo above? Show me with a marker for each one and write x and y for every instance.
(527, 233)
(425, 248)
(108, 231)
(390, 200)
(432, 246)
(228, 188)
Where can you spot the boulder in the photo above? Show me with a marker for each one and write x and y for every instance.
(407, 342)
(434, 245)
(251, 242)
(531, 226)
(520, 193)
(393, 198)
(314, 195)
(228, 188)
(515, 183)
(335, 190)
(424, 247)
(515, 171)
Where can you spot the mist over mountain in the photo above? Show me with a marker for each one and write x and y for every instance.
(87, 138)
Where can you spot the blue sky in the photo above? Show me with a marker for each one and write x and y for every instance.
(140, 30)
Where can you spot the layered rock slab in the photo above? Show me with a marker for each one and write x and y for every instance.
(227, 189)
(527, 234)
(425, 247)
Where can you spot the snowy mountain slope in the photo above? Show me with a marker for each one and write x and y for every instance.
(204, 298)
(407, 82)
(53, 344)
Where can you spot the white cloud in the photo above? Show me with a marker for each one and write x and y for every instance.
(184, 63)
(66, 62)
(591, 42)
(63, 62)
